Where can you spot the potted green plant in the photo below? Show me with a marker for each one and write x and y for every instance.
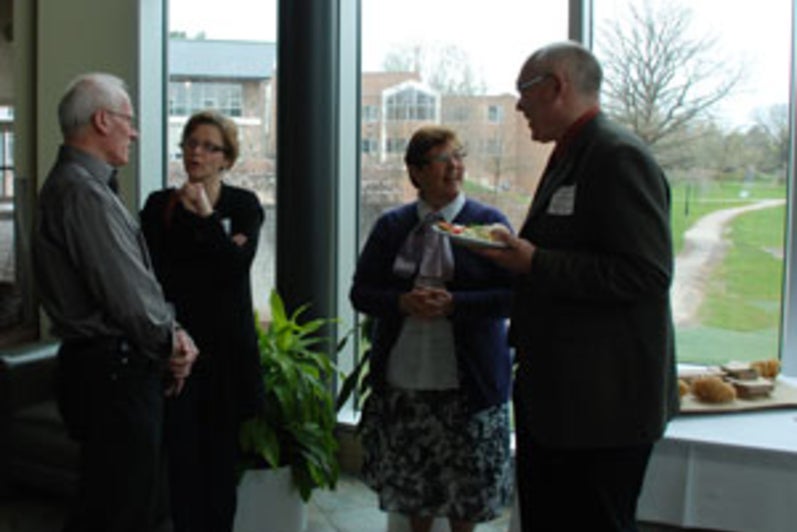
(295, 431)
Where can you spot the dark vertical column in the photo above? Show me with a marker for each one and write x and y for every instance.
(307, 151)
(580, 21)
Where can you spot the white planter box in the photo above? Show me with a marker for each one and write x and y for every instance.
(268, 502)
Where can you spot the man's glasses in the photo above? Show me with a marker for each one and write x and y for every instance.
(130, 119)
(205, 147)
(529, 83)
(447, 157)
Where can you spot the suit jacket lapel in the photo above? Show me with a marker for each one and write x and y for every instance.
(553, 178)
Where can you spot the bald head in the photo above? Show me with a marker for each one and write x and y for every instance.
(573, 61)
(557, 85)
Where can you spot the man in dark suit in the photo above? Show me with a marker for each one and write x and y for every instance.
(591, 324)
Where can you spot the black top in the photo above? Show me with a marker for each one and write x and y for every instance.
(206, 276)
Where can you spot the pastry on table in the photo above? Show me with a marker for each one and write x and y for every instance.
(769, 369)
(740, 370)
(713, 389)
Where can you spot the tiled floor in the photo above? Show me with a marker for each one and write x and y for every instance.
(352, 507)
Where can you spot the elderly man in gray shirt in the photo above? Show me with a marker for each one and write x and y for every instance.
(121, 349)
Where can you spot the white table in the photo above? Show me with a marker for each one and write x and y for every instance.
(735, 472)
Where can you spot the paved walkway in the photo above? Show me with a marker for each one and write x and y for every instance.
(704, 248)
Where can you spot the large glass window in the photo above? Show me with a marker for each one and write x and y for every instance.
(460, 74)
(727, 162)
(410, 104)
(11, 301)
(452, 64)
(222, 60)
(17, 321)
(707, 87)
(187, 97)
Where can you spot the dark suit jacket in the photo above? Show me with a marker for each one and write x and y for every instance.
(592, 319)
(482, 295)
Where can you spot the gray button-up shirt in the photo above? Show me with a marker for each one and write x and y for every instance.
(91, 263)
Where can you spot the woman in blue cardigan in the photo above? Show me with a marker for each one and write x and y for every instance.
(436, 425)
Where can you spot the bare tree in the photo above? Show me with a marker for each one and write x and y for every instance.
(718, 154)
(773, 124)
(447, 69)
(659, 80)
(404, 59)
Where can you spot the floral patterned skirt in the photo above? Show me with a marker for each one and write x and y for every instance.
(426, 455)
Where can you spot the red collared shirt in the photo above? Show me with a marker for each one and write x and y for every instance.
(572, 132)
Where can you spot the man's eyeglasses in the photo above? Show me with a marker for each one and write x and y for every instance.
(529, 83)
(130, 119)
(205, 147)
(447, 157)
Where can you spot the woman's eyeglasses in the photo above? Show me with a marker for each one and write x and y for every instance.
(447, 157)
(205, 147)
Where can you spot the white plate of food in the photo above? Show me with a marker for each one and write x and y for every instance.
(477, 235)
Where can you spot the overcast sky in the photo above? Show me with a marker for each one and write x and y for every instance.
(500, 36)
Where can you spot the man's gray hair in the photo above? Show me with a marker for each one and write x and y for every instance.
(584, 69)
(85, 95)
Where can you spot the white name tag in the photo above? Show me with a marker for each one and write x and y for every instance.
(226, 224)
(563, 201)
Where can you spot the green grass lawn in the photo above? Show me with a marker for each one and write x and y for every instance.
(740, 317)
(707, 345)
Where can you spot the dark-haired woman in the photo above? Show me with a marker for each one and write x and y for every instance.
(436, 425)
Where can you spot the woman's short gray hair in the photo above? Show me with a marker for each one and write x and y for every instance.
(85, 95)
